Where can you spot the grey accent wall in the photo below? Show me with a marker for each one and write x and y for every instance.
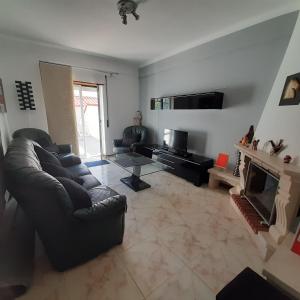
(243, 65)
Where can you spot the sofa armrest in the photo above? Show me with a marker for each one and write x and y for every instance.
(109, 207)
(65, 148)
(118, 142)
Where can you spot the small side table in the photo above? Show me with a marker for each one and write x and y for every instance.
(217, 175)
(283, 268)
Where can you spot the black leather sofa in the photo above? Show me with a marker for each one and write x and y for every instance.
(133, 136)
(71, 236)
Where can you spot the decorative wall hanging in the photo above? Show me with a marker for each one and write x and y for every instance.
(291, 91)
(25, 95)
(2, 99)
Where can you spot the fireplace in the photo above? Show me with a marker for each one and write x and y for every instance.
(267, 198)
(261, 189)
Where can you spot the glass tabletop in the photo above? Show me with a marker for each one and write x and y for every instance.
(137, 164)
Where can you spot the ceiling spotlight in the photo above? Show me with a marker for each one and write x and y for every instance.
(127, 7)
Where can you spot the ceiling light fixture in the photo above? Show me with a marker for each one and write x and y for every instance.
(127, 7)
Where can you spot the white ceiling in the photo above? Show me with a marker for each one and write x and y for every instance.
(165, 27)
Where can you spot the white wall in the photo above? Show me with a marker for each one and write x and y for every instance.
(19, 60)
(283, 121)
(243, 65)
(4, 131)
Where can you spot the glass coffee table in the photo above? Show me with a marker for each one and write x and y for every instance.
(137, 165)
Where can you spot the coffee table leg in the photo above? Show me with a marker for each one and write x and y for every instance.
(135, 183)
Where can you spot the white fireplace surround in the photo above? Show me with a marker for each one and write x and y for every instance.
(287, 199)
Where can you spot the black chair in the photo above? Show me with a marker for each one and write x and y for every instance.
(133, 137)
(43, 139)
(248, 285)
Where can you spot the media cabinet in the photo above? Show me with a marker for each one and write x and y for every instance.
(193, 168)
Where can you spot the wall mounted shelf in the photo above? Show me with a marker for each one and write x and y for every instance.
(212, 100)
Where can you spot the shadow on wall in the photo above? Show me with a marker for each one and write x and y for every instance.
(197, 141)
(238, 96)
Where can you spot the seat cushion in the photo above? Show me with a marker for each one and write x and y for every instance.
(79, 170)
(99, 193)
(46, 156)
(59, 171)
(119, 150)
(89, 181)
(78, 194)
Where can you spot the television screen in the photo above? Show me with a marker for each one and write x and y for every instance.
(261, 190)
(175, 140)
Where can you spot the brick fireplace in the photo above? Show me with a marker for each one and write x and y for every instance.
(287, 199)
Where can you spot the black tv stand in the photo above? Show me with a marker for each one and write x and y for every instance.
(189, 166)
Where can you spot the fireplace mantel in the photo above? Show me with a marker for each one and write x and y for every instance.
(287, 199)
(272, 162)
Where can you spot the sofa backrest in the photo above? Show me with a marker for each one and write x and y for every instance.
(136, 131)
(34, 134)
(42, 197)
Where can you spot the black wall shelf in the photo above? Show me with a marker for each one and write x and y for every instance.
(212, 100)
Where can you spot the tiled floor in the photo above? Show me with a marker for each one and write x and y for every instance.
(181, 242)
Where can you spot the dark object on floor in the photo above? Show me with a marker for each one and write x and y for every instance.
(70, 236)
(96, 163)
(236, 170)
(44, 139)
(248, 285)
(16, 252)
(133, 136)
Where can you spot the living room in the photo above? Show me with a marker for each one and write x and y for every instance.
(163, 210)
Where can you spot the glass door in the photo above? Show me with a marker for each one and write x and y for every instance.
(87, 109)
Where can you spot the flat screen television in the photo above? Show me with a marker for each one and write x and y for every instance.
(175, 140)
(260, 190)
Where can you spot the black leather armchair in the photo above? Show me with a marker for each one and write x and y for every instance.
(43, 139)
(70, 236)
(133, 136)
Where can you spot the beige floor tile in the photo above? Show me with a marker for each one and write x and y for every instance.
(101, 278)
(150, 264)
(185, 285)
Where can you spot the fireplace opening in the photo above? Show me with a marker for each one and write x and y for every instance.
(260, 190)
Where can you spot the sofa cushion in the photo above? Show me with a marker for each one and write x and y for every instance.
(89, 181)
(52, 148)
(78, 194)
(79, 170)
(59, 171)
(46, 156)
(69, 160)
(99, 193)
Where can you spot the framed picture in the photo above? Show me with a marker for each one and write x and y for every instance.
(2, 99)
(291, 91)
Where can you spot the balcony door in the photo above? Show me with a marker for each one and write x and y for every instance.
(87, 103)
